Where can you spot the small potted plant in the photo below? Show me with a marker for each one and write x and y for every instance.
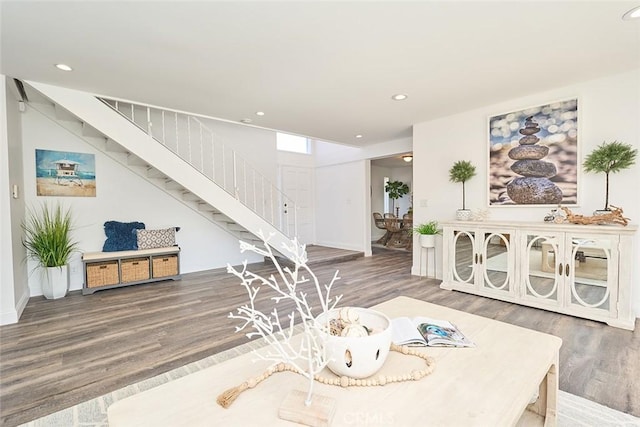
(47, 238)
(427, 233)
(609, 157)
(462, 171)
(396, 189)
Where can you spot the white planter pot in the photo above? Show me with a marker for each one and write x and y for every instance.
(428, 240)
(463, 214)
(55, 283)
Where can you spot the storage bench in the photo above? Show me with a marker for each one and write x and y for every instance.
(106, 270)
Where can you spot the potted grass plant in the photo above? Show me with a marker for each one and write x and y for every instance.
(427, 232)
(47, 239)
(462, 171)
(606, 158)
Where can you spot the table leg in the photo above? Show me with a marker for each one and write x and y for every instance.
(547, 403)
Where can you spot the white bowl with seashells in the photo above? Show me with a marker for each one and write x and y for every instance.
(358, 342)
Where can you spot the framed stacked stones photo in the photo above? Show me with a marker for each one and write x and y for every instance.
(533, 156)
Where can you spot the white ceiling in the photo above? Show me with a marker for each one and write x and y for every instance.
(321, 69)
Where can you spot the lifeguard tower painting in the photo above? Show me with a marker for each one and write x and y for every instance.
(61, 173)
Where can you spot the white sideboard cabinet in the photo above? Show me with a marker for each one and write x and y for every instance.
(581, 270)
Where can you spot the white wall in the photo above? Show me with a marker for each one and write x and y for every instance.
(342, 206)
(14, 292)
(377, 197)
(328, 153)
(122, 196)
(609, 109)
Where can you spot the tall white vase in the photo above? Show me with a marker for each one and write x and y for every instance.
(463, 214)
(55, 282)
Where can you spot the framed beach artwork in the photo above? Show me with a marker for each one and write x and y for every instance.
(63, 173)
(533, 156)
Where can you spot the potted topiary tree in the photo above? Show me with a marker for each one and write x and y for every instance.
(47, 238)
(427, 232)
(396, 189)
(609, 157)
(462, 171)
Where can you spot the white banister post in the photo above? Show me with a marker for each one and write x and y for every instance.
(201, 150)
(189, 139)
(235, 176)
(149, 122)
(164, 137)
(177, 137)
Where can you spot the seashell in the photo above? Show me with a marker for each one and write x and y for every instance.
(352, 330)
(349, 315)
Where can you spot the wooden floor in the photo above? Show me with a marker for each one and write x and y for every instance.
(67, 351)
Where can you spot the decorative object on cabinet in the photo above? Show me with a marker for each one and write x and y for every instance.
(479, 214)
(462, 171)
(607, 158)
(47, 239)
(580, 270)
(555, 216)
(396, 189)
(613, 216)
(519, 175)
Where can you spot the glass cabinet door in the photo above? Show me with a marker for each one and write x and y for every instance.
(496, 262)
(542, 268)
(463, 262)
(590, 272)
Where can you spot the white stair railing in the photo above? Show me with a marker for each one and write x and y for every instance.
(187, 137)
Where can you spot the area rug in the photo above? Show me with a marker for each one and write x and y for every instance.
(573, 411)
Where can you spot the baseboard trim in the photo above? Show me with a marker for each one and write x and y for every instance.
(12, 316)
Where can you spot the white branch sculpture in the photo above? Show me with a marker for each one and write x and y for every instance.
(308, 356)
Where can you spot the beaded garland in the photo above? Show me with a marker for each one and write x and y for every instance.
(226, 398)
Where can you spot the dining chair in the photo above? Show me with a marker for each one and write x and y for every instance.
(407, 227)
(378, 220)
(394, 227)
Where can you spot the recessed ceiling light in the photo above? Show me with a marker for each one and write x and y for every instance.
(259, 113)
(407, 158)
(358, 136)
(399, 97)
(63, 67)
(246, 120)
(632, 14)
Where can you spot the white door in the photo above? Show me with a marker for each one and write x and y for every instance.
(297, 183)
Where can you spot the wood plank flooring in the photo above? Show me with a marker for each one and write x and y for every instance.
(66, 351)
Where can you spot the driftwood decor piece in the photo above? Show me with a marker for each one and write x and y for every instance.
(613, 217)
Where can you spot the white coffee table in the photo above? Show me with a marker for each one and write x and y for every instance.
(489, 385)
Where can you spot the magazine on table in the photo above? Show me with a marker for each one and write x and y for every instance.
(427, 332)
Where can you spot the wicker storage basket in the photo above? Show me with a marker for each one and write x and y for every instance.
(134, 269)
(102, 274)
(165, 265)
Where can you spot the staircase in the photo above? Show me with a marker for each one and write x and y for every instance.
(178, 154)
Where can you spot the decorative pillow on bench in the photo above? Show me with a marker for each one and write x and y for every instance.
(121, 236)
(150, 239)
